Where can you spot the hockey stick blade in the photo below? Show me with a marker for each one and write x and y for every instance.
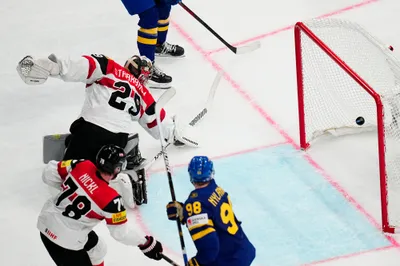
(169, 260)
(248, 48)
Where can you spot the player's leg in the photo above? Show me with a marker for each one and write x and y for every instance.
(133, 155)
(147, 40)
(62, 256)
(56, 252)
(164, 48)
(87, 139)
(96, 249)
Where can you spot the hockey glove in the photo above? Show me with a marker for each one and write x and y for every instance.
(193, 262)
(183, 134)
(152, 248)
(175, 211)
(36, 71)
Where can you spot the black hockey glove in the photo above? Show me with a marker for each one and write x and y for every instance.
(152, 248)
(175, 211)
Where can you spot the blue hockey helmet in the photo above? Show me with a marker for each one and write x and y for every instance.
(201, 169)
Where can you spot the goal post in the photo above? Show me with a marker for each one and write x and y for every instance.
(344, 73)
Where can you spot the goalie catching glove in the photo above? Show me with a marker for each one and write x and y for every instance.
(35, 72)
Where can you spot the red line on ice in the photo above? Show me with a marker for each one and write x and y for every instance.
(348, 256)
(224, 155)
(274, 32)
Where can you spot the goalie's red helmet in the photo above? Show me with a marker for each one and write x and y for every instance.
(140, 67)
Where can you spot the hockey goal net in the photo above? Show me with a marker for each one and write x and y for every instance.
(345, 73)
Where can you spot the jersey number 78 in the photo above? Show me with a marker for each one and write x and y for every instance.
(80, 205)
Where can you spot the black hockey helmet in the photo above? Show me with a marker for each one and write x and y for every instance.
(140, 67)
(111, 159)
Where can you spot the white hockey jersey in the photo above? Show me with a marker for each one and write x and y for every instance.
(84, 201)
(114, 97)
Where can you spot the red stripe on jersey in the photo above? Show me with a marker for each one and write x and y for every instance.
(154, 123)
(92, 65)
(123, 74)
(109, 83)
(94, 215)
(97, 189)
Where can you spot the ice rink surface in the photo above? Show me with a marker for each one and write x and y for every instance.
(320, 207)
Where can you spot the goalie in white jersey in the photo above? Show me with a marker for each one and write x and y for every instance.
(67, 219)
(115, 97)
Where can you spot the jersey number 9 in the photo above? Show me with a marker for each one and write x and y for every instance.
(228, 217)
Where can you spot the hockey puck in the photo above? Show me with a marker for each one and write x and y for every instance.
(360, 121)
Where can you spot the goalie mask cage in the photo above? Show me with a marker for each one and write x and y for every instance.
(343, 72)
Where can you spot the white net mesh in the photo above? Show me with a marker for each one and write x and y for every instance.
(333, 100)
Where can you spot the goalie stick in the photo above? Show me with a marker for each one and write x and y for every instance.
(198, 117)
(162, 101)
(237, 50)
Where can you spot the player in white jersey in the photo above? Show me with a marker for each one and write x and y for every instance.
(115, 96)
(85, 199)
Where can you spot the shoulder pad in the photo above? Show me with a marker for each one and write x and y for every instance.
(103, 62)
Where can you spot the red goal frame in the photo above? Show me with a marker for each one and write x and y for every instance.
(299, 28)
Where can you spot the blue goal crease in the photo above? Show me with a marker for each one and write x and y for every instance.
(290, 212)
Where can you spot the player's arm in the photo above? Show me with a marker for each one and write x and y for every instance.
(54, 173)
(122, 231)
(86, 69)
(148, 119)
(199, 222)
(171, 128)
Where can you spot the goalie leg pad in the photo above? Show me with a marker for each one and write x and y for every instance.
(139, 187)
(54, 147)
(133, 156)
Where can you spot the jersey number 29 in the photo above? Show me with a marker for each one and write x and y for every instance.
(117, 98)
(79, 206)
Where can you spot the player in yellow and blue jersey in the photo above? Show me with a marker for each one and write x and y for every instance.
(207, 213)
(152, 35)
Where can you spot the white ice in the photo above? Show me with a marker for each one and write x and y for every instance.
(266, 76)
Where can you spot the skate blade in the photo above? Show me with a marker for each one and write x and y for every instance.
(169, 56)
(154, 85)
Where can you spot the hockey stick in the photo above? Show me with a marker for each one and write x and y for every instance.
(169, 260)
(237, 50)
(198, 117)
(159, 105)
